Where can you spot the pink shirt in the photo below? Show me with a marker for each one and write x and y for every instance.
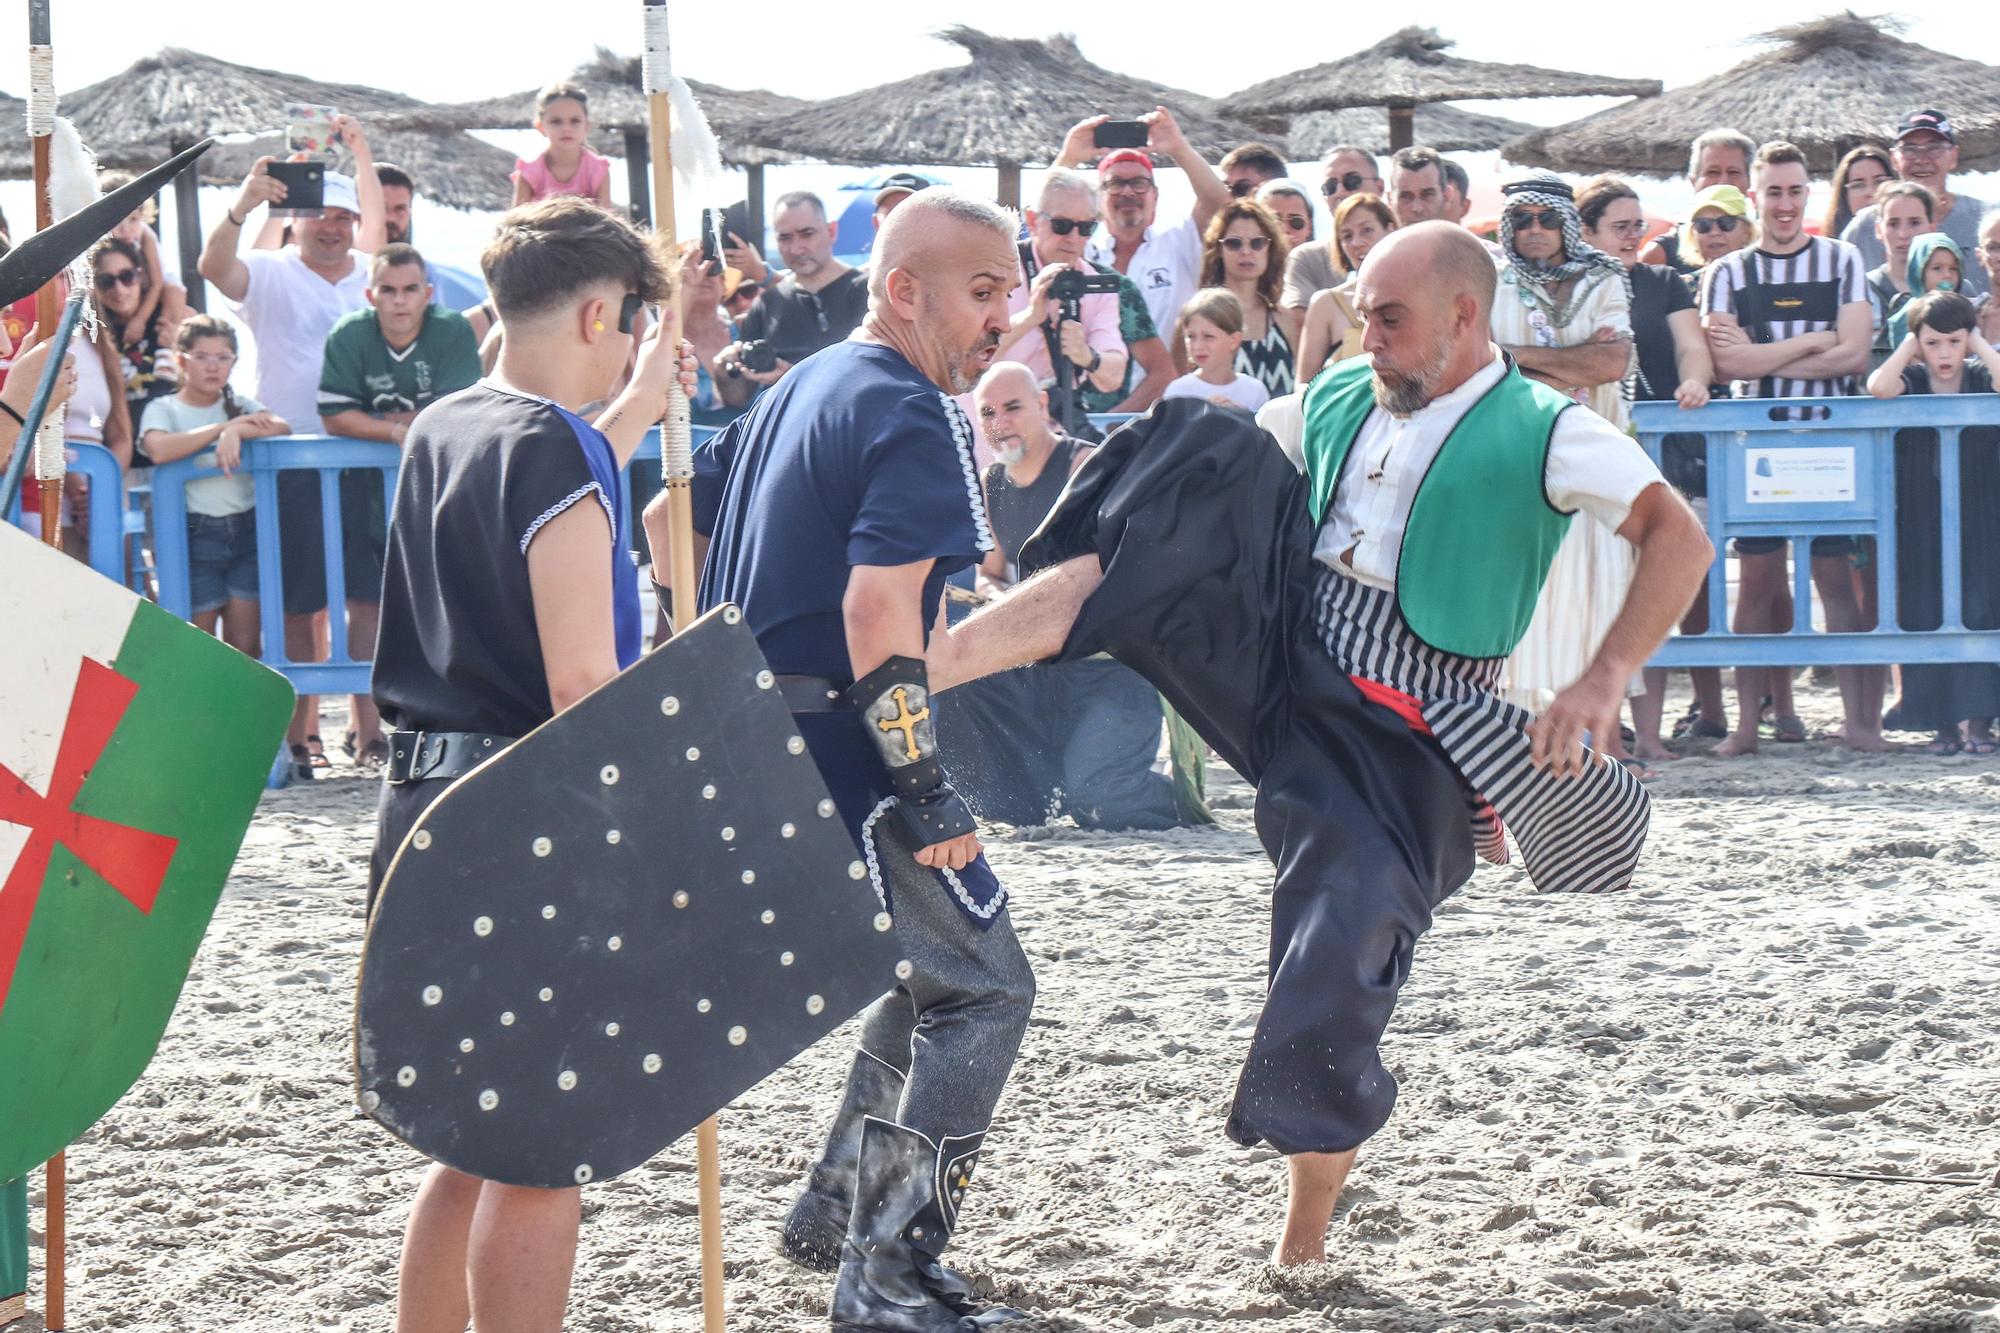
(1100, 330)
(591, 174)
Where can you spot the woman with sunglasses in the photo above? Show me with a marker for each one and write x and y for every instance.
(1719, 224)
(146, 361)
(1244, 250)
(1291, 206)
(1563, 312)
(1333, 327)
(1860, 174)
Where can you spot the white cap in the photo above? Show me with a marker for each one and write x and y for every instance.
(340, 193)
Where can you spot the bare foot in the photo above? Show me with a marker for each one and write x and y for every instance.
(1737, 744)
(1866, 742)
(1653, 752)
(1290, 1254)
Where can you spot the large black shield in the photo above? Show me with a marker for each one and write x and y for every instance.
(595, 941)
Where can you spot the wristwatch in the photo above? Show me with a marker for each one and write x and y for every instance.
(1096, 360)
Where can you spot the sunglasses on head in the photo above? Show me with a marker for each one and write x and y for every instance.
(1295, 221)
(1724, 224)
(1547, 219)
(1350, 182)
(1257, 244)
(628, 313)
(123, 278)
(1064, 226)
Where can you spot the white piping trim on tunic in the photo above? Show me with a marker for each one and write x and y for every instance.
(986, 913)
(559, 506)
(961, 435)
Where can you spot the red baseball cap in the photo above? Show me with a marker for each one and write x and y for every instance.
(1135, 156)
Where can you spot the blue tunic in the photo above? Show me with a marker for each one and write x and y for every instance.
(854, 458)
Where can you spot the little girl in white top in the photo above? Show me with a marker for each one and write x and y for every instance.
(1212, 331)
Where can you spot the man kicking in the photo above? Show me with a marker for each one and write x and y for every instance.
(1337, 637)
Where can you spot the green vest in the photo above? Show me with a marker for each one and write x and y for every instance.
(1482, 532)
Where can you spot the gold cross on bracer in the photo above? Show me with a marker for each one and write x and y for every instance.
(906, 722)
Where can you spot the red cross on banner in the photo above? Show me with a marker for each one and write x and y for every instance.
(132, 861)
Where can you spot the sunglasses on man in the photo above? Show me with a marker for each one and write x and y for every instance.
(628, 313)
(1257, 244)
(1525, 219)
(1724, 224)
(1349, 181)
(1081, 226)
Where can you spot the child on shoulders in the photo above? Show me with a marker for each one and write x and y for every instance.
(1212, 331)
(567, 166)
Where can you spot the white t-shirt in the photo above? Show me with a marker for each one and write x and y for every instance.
(1166, 267)
(217, 497)
(1592, 466)
(1244, 391)
(289, 310)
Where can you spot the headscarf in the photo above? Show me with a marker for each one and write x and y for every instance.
(1727, 198)
(1922, 249)
(1536, 281)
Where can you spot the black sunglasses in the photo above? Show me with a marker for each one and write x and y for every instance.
(1546, 219)
(1257, 244)
(123, 278)
(1237, 189)
(1349, 182)
(1081, 226)
(628, 313)
(1724, 224)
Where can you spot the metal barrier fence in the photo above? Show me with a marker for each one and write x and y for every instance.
(267, 460)
(1832, 472)
(106, 552)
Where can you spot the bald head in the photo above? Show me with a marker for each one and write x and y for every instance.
(1439, 258)
(1006, 377)
(935, 230)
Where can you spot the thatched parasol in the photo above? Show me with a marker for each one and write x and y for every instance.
(1409, 68)
(452, 169)
(1447, 128)
(1826, 85)
(620, 116)
(1012, 105)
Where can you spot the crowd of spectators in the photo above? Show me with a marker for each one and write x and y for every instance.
(1242, 300)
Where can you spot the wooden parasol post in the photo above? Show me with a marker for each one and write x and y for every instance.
(1402, 127)
(1010, 185)
(677, 473)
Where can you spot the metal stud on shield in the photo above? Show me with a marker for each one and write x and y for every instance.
(542, 1004)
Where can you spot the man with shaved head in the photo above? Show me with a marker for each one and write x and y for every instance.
(1338, 637)
(836, 507)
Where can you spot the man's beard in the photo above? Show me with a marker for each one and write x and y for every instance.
(1009, 450)
(965, 368)
(1413, 392)
(397, 235)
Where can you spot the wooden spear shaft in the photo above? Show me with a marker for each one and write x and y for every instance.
(677, 474)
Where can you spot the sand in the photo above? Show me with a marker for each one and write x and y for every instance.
(1628, 1113)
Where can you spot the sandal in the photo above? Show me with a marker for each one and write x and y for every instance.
(1981, 745)
(1789, 729)
(302, 768)
(1944, 747)
(316, 753)
(375, 754)
(347, 748)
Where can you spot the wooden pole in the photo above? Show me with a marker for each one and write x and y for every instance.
(677, 472)
(636, 156)
(55, 1221)
(1402, 127)
(1010, 184)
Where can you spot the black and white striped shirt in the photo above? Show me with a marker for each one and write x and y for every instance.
(1822, 260)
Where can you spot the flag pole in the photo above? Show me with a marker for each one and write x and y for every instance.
(677, 474)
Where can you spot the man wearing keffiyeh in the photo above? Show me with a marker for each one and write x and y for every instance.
(1553, 272)
(1337, 637)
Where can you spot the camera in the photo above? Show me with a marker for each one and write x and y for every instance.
(1070, 287)
(758, 355)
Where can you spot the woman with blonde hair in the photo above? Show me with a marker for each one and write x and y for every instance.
(1244, 250)
(1333, 328)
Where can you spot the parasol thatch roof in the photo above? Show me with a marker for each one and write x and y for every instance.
(1826, 85)
(1449, 129)
(617, 104)
(1411, 67)
(1012, 104)
(136, 118)
(453, 169)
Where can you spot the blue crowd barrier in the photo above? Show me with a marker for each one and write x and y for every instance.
(265, 460)
(106, 552)
(1800, 468)
(1110, 421)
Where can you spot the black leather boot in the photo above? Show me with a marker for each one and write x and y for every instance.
(818, 1221)
(908, 1190)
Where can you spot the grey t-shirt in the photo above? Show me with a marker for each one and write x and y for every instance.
(1961, 224)
(1310, 269)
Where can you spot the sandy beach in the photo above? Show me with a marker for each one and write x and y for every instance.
(1665, 1110)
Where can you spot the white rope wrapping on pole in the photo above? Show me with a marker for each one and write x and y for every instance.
(41, 91)
(49, 444)
(676, 440)
(656, 62)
